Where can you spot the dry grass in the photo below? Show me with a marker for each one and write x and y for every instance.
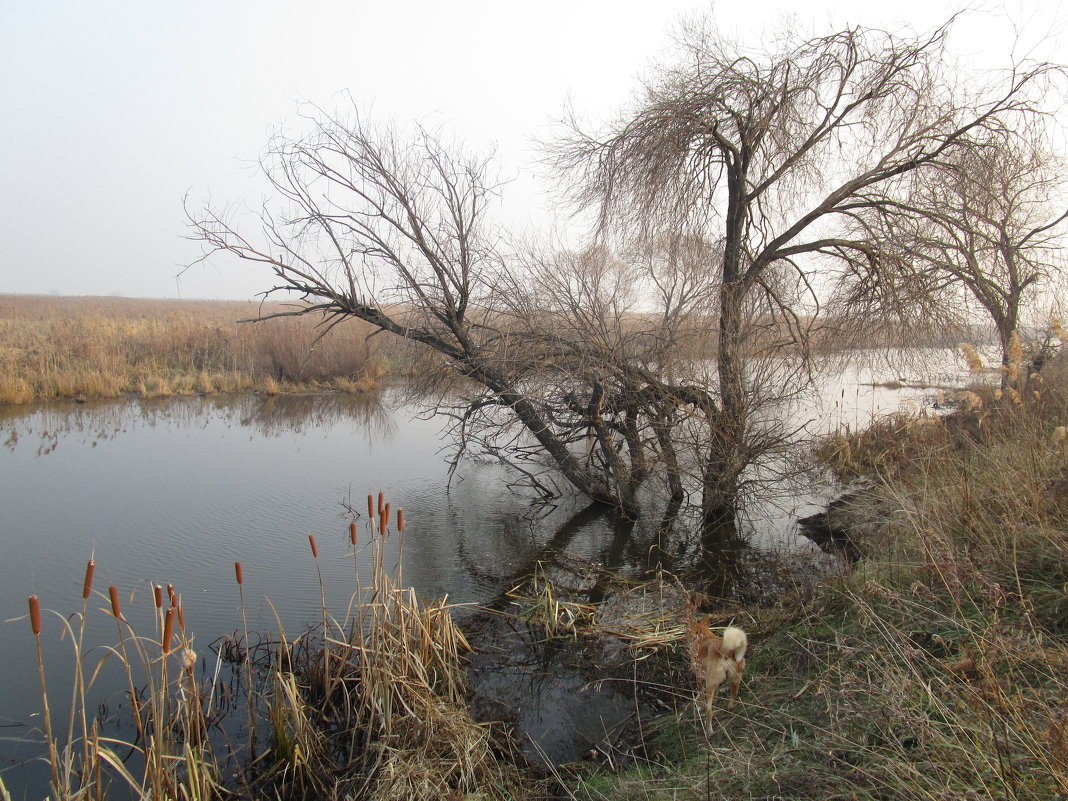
(57, 347)
(371, 707)
(938, 668)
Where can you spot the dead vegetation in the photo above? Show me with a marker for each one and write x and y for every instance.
(58, 347)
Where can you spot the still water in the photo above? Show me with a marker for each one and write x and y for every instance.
(175, 491)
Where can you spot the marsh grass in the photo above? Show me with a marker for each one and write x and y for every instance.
(368, 706)
(57, 347)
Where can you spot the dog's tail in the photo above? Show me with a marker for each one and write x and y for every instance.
(734, 643)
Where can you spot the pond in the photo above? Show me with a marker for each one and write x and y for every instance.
(175, 491)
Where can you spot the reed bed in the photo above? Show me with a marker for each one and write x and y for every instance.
(371, 706)
(59, 347)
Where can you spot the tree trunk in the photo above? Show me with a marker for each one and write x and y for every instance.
(725, 460)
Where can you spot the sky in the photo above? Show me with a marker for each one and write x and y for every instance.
(114, 112)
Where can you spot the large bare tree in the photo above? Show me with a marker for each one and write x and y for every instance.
(770, 154)
(394, 230)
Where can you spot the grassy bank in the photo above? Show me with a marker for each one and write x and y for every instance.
(937, 668)
(58, 347)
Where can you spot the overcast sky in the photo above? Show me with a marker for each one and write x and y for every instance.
(113, 111)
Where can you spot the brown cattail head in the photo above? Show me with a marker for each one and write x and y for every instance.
(157, 591)
(315, 548)
(172, 595)
(400, 520)
(381, 502)
(237, 572)
(370, 506)
(352, 533)
(181, 619)
(116, 610)
(168, 631)
(383, 520)
(35, 615)
(87, 587)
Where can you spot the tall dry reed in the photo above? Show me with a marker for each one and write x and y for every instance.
(105, 347)
(371, 705)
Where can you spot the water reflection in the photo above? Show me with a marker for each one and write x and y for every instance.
(267, 415)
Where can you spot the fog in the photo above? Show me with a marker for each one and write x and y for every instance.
(116, 111)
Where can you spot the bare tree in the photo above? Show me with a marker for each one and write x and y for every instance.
(771, 154)
(981, 227)
(394, 230)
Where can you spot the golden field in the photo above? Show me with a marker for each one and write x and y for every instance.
(95, 347)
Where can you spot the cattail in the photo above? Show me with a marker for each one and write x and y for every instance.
(352, 533)
(87, 586)
(383, 520)
(116, 610)
(168, 631)
(157, 591)
(181, 619)
(400, 520)
(237, 571)
(171, 594)
(314, 547)
(370, 506)
(189, 659)
(35, 615)
(381, 502)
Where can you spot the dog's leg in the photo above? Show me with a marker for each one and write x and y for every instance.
(713, 680)
(709, 700)
(735, 682)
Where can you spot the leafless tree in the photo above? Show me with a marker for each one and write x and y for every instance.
(981, 227)
(394, 230)
(771, 154)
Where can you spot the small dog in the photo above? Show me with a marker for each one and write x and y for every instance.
(716, 660)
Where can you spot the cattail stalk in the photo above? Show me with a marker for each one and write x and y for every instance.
(87, 586)
(239, 575)
(78, 690)
(327, 682)
(53, 755)
(168, 632)
(400, 547)
(135, 699)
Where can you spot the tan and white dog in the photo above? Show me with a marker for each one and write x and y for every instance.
(718, 660)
